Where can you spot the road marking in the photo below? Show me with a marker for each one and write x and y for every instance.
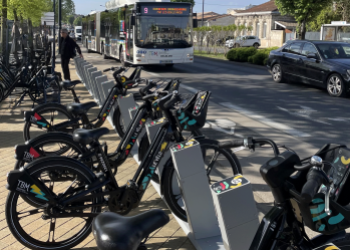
(304, 112)
(153, 74)
(262, 119)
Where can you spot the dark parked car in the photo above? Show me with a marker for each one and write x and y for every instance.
(320, 63)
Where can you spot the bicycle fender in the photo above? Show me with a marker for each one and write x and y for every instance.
(20, 181)
(26, 153)
(34, 118)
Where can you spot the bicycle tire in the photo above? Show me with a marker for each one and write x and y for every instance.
(118, 122)
(54, 137)
(169, 175)
(1, 93)
(47, 107)
(45, 165)
(344, 243)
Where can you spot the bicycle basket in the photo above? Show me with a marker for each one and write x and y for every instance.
(191, 113)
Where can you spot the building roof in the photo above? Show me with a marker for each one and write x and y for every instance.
(287, 24)
(207, 15)
(265, 7)
(217, 17)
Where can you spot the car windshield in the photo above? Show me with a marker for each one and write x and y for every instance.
(334, 50)
(164, 32)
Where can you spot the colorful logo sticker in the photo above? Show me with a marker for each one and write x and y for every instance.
(39, 194)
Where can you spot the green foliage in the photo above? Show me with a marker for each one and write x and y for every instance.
(27, 9)
(250, 54)
(326, 16)
(342, 8)
(241, 54)
(303, 11)
(68, 8)
(78, 21)
(184, 1)
(70, 19)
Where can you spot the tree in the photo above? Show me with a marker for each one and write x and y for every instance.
(68, 8)
(342, 7)
(303, 11)
(327, 15)
(70, 19)
(77, 21)
(184, 1)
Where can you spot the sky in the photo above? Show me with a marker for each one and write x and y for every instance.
(219, 6)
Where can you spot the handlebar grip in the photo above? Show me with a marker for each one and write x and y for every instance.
(106, 70)
(174, 99)
(144, 91)
(310, 188)
(232, 143)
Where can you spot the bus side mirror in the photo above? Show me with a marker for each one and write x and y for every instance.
(195, 23)
(195, 20)
(132, 20)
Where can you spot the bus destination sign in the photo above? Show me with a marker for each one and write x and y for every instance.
(150, 10)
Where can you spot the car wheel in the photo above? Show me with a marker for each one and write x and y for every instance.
(277, 73)
(336, 86)
(256, 45)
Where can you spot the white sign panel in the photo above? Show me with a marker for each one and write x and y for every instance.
(49, 18)
(338, 22)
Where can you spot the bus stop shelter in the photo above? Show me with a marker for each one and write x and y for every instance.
(336, 31)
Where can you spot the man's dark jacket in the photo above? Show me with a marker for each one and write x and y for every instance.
(68, 47)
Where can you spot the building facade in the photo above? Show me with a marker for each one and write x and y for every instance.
(262, 18)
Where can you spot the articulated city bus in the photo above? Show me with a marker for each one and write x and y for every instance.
(141, 33)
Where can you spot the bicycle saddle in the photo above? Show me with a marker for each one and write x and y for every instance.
(67, 85)
(115, 232)
(86, 136)
(80, 108)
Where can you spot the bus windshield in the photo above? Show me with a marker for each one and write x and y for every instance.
(163, 32)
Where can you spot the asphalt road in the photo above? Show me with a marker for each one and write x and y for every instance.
(299, 110)
(246, 101)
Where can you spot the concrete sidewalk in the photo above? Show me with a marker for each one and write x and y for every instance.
(11, 133)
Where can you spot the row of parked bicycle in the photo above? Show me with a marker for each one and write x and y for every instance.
(28, 73)
(65, 177)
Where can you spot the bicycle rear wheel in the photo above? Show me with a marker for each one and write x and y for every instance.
(54, 144)
(219, 163)
(38, 230)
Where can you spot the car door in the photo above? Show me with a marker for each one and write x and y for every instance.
(312, 69)
(291, 60)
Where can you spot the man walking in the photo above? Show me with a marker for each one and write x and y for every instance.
(68, 46)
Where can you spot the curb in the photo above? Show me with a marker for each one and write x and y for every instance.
(233, 62)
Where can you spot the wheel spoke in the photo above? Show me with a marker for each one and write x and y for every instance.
(29, 213)
(52, 230)
(212, 162)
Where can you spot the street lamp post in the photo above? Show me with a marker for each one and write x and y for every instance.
(203, 13)
(54, 38)
(59, 22)
(202, 20)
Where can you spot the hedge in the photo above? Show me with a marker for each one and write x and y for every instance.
(250, 54)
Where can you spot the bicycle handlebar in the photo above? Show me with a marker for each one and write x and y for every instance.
(250, 143)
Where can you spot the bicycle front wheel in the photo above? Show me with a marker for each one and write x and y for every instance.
(219, 164)
(34, 227)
